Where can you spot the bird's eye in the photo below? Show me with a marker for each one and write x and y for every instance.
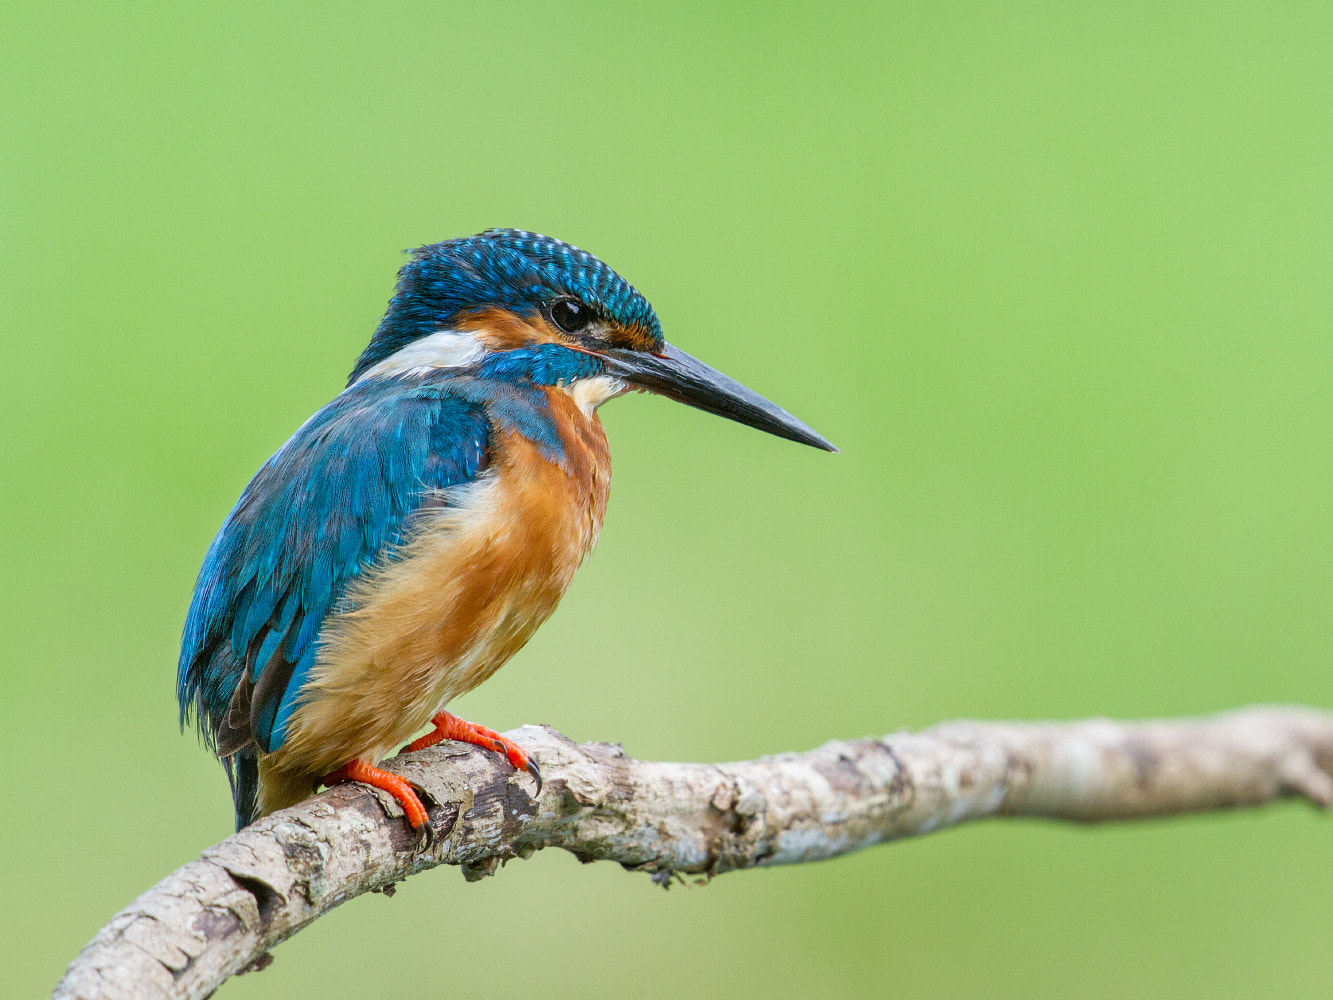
(570, 315)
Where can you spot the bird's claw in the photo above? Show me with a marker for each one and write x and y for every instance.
(426, 831)
(520, 760)
(425, 837)
(531, 768)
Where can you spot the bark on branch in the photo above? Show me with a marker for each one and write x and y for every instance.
(220, 915)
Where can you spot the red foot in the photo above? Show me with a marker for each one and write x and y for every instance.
(450, 727)
(400, 788)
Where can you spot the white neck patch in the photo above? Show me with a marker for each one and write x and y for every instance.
(442, 349)
(590, 393)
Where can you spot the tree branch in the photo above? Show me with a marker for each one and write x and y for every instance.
(220, 915)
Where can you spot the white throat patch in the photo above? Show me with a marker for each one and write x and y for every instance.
(590, 393)
(442, 349)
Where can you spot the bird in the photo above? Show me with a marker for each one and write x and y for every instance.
(412, 534)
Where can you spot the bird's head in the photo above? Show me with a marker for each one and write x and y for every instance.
(512, 304)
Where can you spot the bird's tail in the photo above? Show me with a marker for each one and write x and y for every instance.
(243, 774)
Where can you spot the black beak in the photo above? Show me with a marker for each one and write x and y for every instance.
(674, 374)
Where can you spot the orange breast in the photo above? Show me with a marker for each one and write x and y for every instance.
(465, 595)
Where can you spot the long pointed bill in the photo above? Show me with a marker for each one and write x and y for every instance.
(676, 375)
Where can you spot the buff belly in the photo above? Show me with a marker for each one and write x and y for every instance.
(462, 597)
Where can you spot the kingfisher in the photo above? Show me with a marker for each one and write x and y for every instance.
(411, 536)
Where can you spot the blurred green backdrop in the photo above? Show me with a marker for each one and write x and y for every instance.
(1056, 279)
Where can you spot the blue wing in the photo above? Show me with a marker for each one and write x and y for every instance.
(337, 497)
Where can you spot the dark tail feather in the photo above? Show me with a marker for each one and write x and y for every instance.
(243, 773)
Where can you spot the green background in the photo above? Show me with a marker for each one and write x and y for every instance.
(1056, 279)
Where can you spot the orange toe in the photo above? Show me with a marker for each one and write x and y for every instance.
(450, 727)
(421, 742)
(396, 785)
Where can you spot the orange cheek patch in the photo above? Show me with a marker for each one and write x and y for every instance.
(502, 330)
(636, 338)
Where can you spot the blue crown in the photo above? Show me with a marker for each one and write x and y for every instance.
(508, 268)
